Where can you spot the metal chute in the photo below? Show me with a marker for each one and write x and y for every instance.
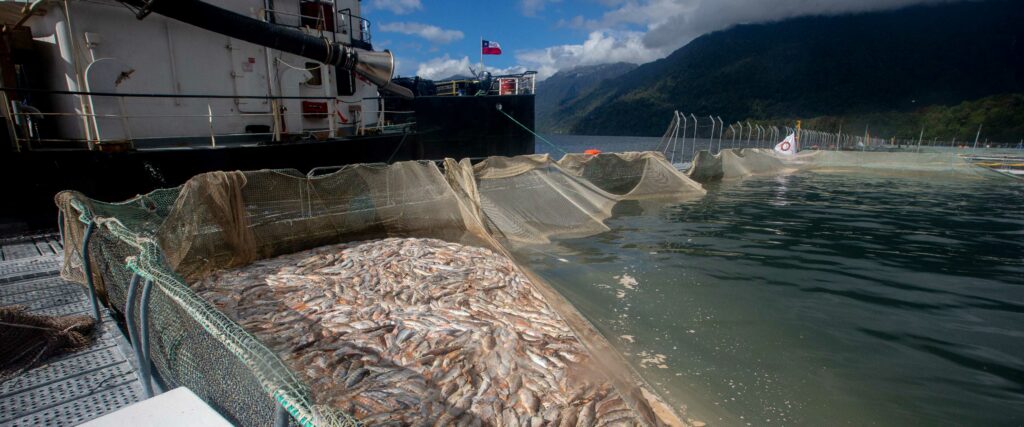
(378, 67)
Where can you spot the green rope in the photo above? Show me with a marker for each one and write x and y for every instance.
(534, 133)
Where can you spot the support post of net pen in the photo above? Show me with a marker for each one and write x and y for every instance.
(87, 269)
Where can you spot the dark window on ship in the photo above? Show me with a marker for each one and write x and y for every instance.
(317, 74)
(346, 83)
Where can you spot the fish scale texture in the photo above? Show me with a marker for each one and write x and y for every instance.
(419, 331)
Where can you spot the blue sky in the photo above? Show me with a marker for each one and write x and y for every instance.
(503, 22)
(437, 39)
(516, 28)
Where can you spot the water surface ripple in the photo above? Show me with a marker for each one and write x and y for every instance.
(816, 299)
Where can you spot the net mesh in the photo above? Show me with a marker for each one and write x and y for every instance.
(31, 339)
(742, 162)
(531, 199)
(221, 220)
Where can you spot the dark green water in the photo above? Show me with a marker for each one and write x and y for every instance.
(815, 299)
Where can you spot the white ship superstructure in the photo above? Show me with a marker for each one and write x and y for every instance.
(207, 88)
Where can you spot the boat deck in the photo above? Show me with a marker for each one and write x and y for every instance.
(73, 388)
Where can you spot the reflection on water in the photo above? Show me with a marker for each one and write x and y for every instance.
(815, 298)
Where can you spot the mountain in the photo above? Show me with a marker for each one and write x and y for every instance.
(895, 61)
(1001, 118)
(565, 86)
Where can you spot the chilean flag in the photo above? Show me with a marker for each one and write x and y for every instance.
(490, 48)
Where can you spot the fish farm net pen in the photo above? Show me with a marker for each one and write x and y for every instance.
(221, 222)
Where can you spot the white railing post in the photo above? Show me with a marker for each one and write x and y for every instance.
(213, 138)
(712, 140)
(124, 122)
(685, 122)
(721, 130)
(693, 142)
(675, 136)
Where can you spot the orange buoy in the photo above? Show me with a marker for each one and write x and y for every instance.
(592, 151)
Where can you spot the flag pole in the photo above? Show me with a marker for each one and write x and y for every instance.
(481, 47)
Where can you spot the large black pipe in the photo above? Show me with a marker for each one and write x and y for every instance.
(278, 37)
(231, 24)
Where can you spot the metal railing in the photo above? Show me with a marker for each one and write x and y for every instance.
(505, 84)
(340, 22)
(688, 133)
(119, 122)
(522, 84)
(689, 128)
(357, 27)
(454, 87)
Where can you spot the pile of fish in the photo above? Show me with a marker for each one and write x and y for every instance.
(419, 331)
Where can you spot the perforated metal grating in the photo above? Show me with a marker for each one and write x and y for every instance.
(77, 411)
(28, 285)
(73, 388)
(18, 270)
(38, 291)
(30, 246)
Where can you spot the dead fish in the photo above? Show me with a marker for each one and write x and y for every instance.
(568, 417)
(355, 377)
(529, 401)
(586, 416)
(418, 332)
(616, 416)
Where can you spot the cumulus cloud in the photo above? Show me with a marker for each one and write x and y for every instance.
(515, 69)
(399, 7)
(601, 47)
(673, 23)
(446, 66)
(575, 22)
(443, 67)
(640, 31)
(532, 7)
(432, 33)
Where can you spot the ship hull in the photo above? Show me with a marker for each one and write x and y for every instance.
(446, 127)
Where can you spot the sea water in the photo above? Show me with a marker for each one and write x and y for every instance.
(814, 298)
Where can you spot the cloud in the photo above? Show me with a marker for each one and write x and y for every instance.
(575, 22)
(443, 67)
(446, 66)
(515, 69)
(532, 7)
(601, 47)
(432, 33)
(640, 31)
(674, 23)
(401, 67)
(398, 7)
